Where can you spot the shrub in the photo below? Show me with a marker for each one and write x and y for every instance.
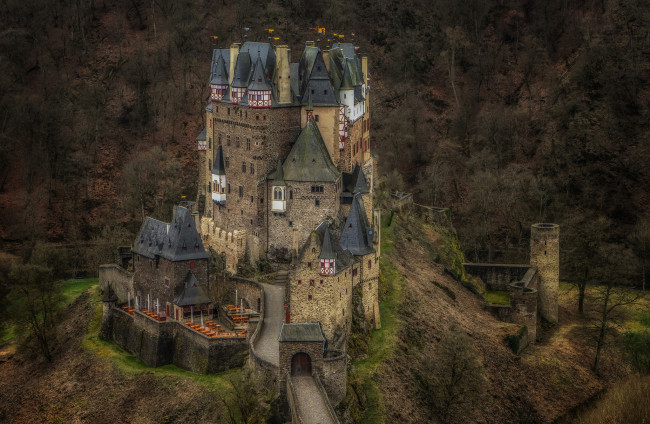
(637, 345)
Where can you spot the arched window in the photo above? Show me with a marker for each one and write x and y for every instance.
(278, 193)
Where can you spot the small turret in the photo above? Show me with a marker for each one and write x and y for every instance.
(259, 90)
(327, 255)
(219, 179)
(218, 79)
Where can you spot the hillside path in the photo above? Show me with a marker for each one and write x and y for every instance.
(267, 346)
(312, 407)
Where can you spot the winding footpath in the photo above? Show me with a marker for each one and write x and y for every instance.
(267, 346)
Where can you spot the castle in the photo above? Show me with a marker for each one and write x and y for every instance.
(286, 176)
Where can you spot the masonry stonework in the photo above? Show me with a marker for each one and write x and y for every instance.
(545, 256)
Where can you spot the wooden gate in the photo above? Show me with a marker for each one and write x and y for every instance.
(301, 364)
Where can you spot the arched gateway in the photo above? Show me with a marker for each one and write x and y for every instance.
(300, 364)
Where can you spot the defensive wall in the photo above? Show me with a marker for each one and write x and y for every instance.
(171, 342)
(120, 280)
(521, 282)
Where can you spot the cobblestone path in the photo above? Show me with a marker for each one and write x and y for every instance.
(267, 346)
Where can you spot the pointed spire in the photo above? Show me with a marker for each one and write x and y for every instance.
(219, 74)
(259, 82)
(326, 251)
(346, 84)
(278, 179)
(219, 167)
(360, 185)
(309, 108)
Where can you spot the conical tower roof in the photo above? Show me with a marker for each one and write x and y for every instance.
(326, 251)
(219, 168)
(219, 74)
(259, 78)
(357, 235)
(309, 159)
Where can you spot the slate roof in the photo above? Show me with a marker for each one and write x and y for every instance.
(242, 70)
(216, 54)
(262, 50)
(176, 241)
(193, 293)
(326, 250)
(355, 182)
(356, 235)
(309, 159)
(313, 79)
(259, 81)
(219, 168)
(301, 333)
(202, 136)
(219, 74)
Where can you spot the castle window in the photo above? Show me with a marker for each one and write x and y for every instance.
(251, 199)
(311, 283)
(228, 111)
(166, 282)
(316, 118)
(369, 264)
(313, 250)
(219, 139)
(227, 162)
(248, 144)
(291, 194)
(257, 117)
(309, 297)
(265, 117)
(345, 96)
(321, 282)
(241, 191)
(309, 265)
(210, 143)
(278, 193)
(252, 167)
(240, 113)
(243, 167)
(227, 139)
(343, 311)
(325, 92)
(317, 202)
(261, 200)
(228, 188)
(209, 163)
(299, 282)
(237, 141)
(290, 223)
(209, 187)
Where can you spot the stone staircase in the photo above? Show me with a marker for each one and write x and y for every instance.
(281, 278)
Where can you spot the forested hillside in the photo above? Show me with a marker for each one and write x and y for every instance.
(509, 112)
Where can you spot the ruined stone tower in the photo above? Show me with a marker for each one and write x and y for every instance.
(545, 256)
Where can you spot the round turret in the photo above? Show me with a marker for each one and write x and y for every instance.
(545, 256)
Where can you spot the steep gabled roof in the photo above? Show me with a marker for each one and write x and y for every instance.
(326, 250)
(176, 241)
(259, 81)
(357, 233)
(216, 54)
(264, 51)
(192, 293)
(219, 168)
(219, 74)
(309, 159)
(355, 182)
(242, 70)
(202, 136)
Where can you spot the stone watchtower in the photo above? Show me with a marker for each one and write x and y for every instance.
(545, 256)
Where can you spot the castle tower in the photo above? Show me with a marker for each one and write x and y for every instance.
(545, 256)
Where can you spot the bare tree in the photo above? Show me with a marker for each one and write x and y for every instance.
(452, 377)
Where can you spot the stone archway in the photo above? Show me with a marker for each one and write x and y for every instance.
(300, 364)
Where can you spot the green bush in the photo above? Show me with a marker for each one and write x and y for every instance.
(637, 345)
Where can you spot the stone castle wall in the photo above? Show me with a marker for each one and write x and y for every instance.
(331, 296)
(170, 342)
(291, 229)
(335, 376)
(120, 280)
(162, 279)
(497, 276)
(232, 244)
(545, 256)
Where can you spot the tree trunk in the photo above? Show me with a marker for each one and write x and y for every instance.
(603, 326)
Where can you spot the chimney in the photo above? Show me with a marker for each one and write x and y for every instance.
(364, 69)
(282, 74)
(326, 59)
(234, 52)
